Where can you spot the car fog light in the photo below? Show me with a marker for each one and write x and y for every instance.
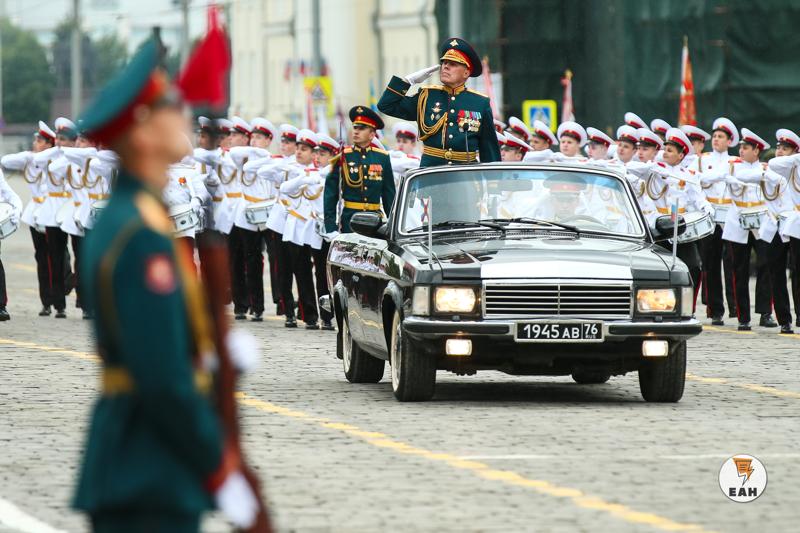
(655, 348)
(458, 347)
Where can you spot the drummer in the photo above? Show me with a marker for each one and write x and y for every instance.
(741, 241)
(33, 174)
(772, 246)
(670, 183)
(11, 199)
(185, 189)
(786, 164)
(256, 192)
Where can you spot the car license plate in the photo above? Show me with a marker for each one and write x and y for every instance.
(559, 332)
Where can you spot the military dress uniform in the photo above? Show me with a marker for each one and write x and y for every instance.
(455, 124)
(33, 174)
(362, 176)
(8, 196)
(787, 166)
(155, 454)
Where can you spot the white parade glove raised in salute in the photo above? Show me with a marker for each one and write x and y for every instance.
(420, 75)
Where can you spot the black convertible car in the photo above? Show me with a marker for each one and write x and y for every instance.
(547, 269)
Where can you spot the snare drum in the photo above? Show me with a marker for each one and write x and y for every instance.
(258, 213)
(7, 227)
(698, 225)
(750, 217)
(720, 213)
(183, 218)
(95, 211)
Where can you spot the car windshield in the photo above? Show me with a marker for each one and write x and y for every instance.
(554, 198)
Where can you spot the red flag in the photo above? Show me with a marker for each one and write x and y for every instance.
(567, 111)
(202, 80)
(489, 88)
(687, 113)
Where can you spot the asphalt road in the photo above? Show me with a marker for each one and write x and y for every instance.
(490, 453)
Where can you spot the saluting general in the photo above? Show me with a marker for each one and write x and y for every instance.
(455, 123)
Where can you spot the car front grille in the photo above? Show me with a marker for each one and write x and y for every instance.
(556, 299)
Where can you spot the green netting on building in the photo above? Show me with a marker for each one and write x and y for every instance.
(626, 56)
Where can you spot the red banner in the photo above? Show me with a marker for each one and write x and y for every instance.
(687, 113)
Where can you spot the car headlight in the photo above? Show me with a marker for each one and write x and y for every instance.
(454, 299)
(656, 300)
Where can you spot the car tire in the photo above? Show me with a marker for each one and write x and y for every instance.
(663, 379)
(590, 377)
(413, 372)
(359, 366)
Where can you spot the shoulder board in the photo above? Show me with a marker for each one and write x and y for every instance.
(379, 151)
(153, 213)
(436, 87)
(477, 92)
(347, 150)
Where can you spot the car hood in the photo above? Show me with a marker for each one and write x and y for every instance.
(586, 257)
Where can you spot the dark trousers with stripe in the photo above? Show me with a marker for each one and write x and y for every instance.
(794, 268)
(773, 263)
(740, 258)
(320, 258)
(711, 250)
(254, 269)
(236, 249)
(42, 267)
(3, 293)
(76, 252)
(272, 240)
(298, 262)
(56, 255)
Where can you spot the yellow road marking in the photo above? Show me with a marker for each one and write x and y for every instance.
(749, 386)
(723, 330)
(380, 440)
(22, 266)
(72, 353)
(483, 471)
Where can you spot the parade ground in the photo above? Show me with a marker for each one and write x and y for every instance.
(491, 452)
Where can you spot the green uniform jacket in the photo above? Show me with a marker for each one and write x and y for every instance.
(151, 447)
(366, 181)
(442, 115)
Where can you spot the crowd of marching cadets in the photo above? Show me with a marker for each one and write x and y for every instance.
(733, 203)
(229, 182)
(265, 200)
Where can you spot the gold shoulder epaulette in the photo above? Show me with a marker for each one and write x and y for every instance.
(428, 87)
(380, 151)
(335, 159)
(473, 91)
(153, 213)
(347, 150)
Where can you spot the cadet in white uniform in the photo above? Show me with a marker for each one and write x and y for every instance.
(7, 196)
(542, 140)
(786, 164)
(33, 173)
(572, 137)
(599, 144)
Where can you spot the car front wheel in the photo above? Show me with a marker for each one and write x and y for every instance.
(359, 366)
(662, 379)
(413, 372)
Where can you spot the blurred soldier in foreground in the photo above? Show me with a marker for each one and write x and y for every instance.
(156, 457)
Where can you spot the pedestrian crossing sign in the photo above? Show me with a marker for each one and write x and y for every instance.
(321, 90)
(544, 110)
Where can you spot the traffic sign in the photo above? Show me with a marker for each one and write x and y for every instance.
(544, 110)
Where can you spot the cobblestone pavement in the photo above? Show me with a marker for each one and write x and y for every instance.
(490, 453)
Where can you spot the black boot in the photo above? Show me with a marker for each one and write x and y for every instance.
(767, 321)
(786, 329)
(45, 311)
(312, 325)
(4, 315)
(291, 322)
(327, 326)
(61, 313)
(744, 326)
(257, 317)
(717, 321)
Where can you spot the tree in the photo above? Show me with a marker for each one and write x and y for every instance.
(27, 81)
(111, 55)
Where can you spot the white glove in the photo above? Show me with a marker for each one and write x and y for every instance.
(15, 218)
(730, 180)
(420, 75)
(708, 209)
(330, 235)
(243, 348)
(235, 499)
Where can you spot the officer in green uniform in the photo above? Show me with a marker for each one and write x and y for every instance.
(363, 171)
(155, 458)
(455, 123)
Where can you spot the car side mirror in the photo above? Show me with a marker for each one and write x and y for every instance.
(366, 223)
(665, 227)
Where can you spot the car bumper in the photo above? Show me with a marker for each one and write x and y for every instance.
(425, 328)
